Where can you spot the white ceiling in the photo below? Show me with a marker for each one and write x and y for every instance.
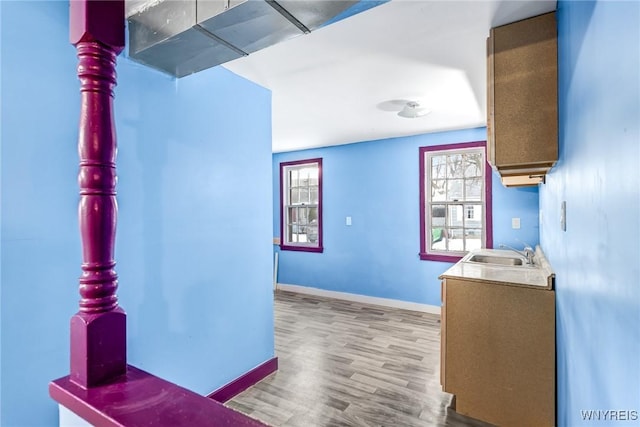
(341, 83)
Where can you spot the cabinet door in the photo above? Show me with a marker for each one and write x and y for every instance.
(525, 91)
(500, 352)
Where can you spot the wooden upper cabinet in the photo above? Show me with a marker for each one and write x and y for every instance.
(522, 99)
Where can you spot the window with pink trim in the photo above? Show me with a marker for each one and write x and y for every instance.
(455, 201)
(301, 205)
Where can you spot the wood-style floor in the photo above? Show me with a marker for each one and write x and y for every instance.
(343, 363)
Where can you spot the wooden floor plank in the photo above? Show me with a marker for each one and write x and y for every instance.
(343, 363)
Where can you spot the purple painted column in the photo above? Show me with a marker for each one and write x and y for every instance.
(98, 330)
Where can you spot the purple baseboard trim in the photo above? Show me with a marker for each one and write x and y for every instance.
(240, 384)
(138, 398)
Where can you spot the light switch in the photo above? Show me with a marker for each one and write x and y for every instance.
(563, 216)
(348, 220)
(515, 223)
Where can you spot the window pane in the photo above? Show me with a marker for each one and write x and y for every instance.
(437, 215)
(454, 189)
(313, 194)
(473, 239)
(473, 216)
(304, 195)
(473, 189)
(455, 167)
(438, 167)
(308, 174)
(313, 176)
(293, 178)
(312, 233)
(439, 239)
(297, 233)
(294, 196)
(473, 164)
(438, 190)
(456, 239)
(454, 216)
(291, 236)
(302, 216)
(293, 215)
(302, 235)
(313, 215)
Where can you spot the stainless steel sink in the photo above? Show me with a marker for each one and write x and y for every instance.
(498, 257)
(501, 260)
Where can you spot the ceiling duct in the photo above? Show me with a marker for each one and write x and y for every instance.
(182, 37)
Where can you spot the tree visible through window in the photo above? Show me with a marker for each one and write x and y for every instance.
(455, 185)
(301, 205)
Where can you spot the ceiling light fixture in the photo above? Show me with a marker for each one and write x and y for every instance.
(412, 110)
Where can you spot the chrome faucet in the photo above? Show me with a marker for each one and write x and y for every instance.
(528, 252)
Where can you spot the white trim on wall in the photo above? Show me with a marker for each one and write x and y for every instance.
(387, 302)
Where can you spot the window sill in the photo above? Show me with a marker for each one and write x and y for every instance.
(302, 248)
(441, 258)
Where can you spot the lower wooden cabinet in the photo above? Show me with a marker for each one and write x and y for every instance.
(498, 352)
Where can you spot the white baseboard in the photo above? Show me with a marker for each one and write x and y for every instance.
(387, 302)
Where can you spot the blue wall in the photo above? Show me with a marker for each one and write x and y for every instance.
(193, 247)
(597, 259)
(376, 183)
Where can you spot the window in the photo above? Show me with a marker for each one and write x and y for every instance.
(301, 205)
(455, 201)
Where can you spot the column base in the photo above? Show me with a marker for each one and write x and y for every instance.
(98, 347)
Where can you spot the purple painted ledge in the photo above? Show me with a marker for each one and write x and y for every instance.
(141, 399)
(240, 384)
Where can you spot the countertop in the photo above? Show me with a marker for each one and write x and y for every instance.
(539, 276)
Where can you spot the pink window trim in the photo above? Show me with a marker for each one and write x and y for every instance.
(292, 247)
(424, 255)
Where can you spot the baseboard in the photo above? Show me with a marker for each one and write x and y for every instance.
(386, 302)
(243, 382)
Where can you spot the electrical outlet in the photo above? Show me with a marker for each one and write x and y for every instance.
(348, 220)
(515, 223)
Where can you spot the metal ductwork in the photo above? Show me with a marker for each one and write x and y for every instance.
(182, 37)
